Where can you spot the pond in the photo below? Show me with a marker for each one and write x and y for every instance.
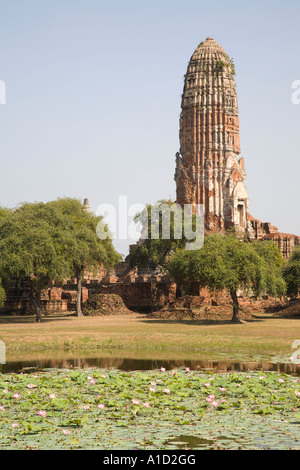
(159, 409)
(134, 364)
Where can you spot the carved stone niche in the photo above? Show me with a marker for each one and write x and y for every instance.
(240, 205)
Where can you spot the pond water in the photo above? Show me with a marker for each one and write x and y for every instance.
(131, 364)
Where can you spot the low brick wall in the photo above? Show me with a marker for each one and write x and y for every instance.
(141, 296)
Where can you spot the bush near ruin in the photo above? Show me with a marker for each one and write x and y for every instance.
(104, 304)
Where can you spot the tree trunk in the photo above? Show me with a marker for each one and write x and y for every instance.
(39, 317)
(35, 299)
(235, 316)
(79, 291)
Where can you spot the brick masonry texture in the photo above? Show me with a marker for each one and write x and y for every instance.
(209, 171)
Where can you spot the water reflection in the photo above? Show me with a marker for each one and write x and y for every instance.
(131, 364)
(189, 442)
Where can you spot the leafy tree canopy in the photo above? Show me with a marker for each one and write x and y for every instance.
(226, 262)
(164, 230)
(85, 250)
(44, 242)
(291, 273)
(4, 212)
(2, 296)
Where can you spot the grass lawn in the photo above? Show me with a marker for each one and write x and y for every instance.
(265, 336)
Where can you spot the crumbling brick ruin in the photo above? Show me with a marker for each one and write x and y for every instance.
(209, 171)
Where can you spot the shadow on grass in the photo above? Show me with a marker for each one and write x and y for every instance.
(255, 318)
(199, 322)
(276, 316)
(27, 319)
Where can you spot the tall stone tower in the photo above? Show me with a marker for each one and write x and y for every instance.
(209, 170)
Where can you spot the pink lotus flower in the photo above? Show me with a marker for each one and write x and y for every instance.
(187, 369)
(222, 389)
(297, 393)
(86, 407)
(167, 390)
(210, 398)
(92, 381)
(280, 381)
(31, 386)
(207, 385)
(152, 389)
(163, 369)
(66, 432)
(101, 406)
(52, 395)
(215, 404)
(5, 391)
(14, 425)
(135, 402)
(1, 408)
(17, 396)
(42, 413)
(146, 404)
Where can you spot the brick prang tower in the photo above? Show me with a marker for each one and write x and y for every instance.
(209, 170)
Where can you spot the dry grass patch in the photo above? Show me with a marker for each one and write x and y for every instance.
(265, 335)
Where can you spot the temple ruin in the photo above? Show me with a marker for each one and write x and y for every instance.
(209, 171)
(209, 168)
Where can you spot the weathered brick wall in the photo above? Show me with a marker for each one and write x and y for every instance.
(208, 168)
(143, 296)
(266, 231)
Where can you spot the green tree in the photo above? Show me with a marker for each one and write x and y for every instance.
(4, 212)
(31, 249)
(85, 250)
(2, 295)
(48, 242)
(291, 273)
(271, 280)
(226, 262)
(163, 231)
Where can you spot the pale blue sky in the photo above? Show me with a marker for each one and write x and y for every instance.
(93, 98)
